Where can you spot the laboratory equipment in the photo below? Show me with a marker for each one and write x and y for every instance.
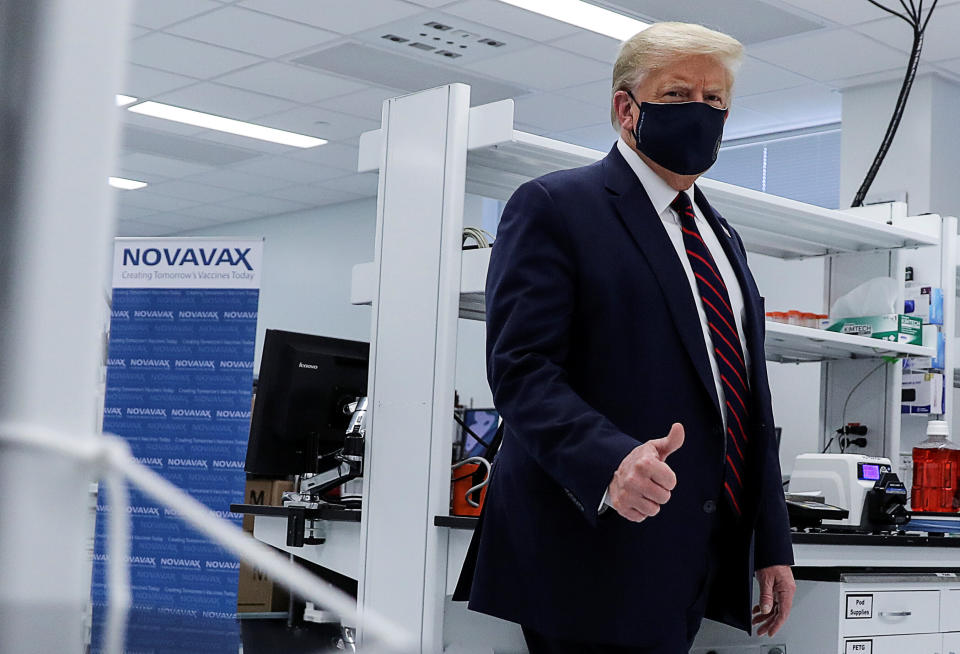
(936, 465)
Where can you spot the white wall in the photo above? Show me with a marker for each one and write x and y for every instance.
(308, 258)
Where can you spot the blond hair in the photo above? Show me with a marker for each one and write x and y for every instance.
(656, 46)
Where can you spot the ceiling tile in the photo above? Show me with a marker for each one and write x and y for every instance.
(590, 44)
(149, 163)
(811, 104)
(137, 228)
(127, 211)
(133, 31)
(218, 213)
(252, 31)
(294, 83)
(597, 93)
(757, 76)
(145, 83)
(366, 104)
(432, 3)
(175, 222)
(554, 113)
(315, 195)
(511, 19)
(390, 70)
(543, 67)
(342, 16)
(750, 21)
(149, 122)
(830, 54)
(160, 13)
(236, 180)
(262, 204)
(147, 199)
(316, 121)
(843, 13)
(290, 170)
(599, 137)
(225, 101)
(199, 193)
(364, 184)
(889, 75)
(186, 57)
(939, 41)
(333, 155)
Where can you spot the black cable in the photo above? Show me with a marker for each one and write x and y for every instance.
(829, 443)
(470, 431)
(909, 76)
(843, 414)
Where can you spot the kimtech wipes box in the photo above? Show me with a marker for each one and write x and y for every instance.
(888, 327)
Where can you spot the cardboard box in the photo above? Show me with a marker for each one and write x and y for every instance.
(256, 593)
(894, 327)
(265, 492)
(925, 302)
(922, 392)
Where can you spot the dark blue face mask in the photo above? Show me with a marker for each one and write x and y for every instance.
(683, 137)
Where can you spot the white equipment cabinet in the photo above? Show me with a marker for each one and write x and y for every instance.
(431, 149)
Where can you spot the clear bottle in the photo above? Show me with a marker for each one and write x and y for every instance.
(936, 465)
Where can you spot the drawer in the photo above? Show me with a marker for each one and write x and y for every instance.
(950, 611)
(890, 612)
(918, 644)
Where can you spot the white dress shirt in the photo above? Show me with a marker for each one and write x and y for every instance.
(661, 195)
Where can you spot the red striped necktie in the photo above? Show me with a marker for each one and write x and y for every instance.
(725, 340)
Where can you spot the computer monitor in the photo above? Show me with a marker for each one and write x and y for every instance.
(305, 382)
(483, 423)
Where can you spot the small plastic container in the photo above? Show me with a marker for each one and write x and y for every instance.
(809, 320)
(936, 465)
(794, 318)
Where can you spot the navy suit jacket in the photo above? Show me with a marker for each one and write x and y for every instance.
(594, 345)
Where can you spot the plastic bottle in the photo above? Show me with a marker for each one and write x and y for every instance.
(936, 465)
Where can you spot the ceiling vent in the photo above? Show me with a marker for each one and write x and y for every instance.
(407, 71)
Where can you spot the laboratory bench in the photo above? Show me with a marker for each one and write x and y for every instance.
(857, 593)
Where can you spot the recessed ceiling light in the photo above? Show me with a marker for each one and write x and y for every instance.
(124, 100)
(221, 124)
(125, 184)
(585, 15)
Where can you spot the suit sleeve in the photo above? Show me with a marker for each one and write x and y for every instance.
(530, 301)
(773, 544)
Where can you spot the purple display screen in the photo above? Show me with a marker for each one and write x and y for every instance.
(869, 471)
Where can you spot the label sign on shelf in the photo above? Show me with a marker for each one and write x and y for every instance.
(859, 607)
(858, 647)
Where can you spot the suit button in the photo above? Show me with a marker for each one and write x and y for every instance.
(709, 506)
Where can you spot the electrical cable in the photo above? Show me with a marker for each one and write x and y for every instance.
(110, 457)
(843, 414)
(919, 25)
(482, 237)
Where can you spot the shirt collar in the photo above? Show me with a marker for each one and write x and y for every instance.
(659, 192)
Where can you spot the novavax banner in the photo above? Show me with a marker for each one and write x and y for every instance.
(179, 381)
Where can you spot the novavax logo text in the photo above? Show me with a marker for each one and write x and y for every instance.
(186, 256)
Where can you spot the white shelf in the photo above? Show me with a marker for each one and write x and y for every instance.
(784, 343)
(789, 343)
(501, 158)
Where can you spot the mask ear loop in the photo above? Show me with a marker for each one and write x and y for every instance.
(635, 132)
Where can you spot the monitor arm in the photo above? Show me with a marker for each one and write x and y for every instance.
(351, 455)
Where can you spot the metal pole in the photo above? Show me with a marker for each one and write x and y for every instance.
(61, 63)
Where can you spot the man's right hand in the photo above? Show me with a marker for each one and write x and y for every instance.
(643, 481)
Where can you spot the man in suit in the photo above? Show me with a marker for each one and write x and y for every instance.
(638, 487)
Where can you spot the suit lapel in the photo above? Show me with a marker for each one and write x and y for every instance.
(640, 219)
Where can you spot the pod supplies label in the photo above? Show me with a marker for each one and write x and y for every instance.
(859, 647)
(859, 607)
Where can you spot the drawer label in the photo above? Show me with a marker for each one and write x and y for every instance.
(859, 607)
(859, 647)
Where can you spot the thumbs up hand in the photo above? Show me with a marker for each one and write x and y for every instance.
(643, 481)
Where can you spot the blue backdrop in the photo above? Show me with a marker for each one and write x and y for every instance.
(179, 381)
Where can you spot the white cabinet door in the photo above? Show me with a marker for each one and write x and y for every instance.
(951, 643)
(890, 612)
(914, 644)
(950, 610)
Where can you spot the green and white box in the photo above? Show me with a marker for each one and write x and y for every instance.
(888, 327)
